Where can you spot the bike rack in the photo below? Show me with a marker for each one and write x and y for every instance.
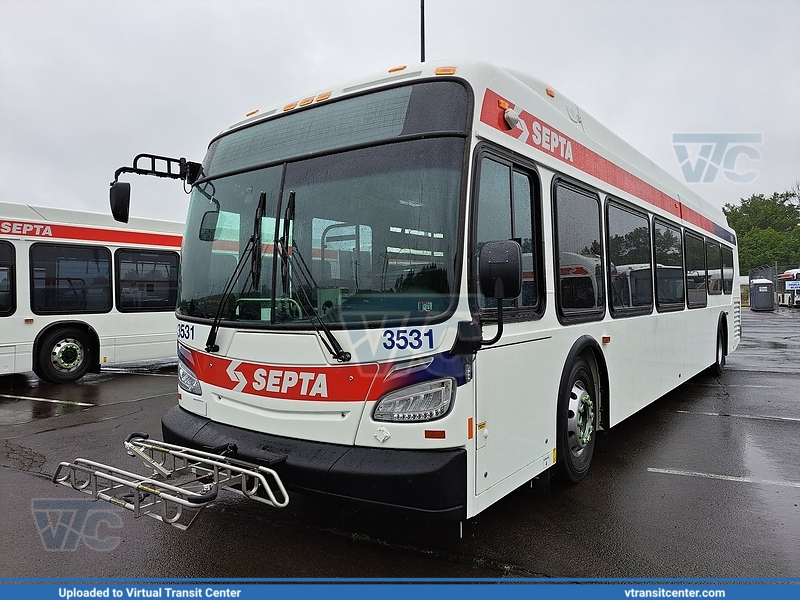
(195, 478)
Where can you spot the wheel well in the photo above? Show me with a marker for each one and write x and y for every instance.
(588, 348)
(91, 334)
(723, 327)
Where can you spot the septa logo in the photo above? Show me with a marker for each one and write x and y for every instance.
(529, 129)
(22, 228)
(279, 381)
(283, 382)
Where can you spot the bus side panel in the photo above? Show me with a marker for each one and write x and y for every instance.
(645, 360)
(132, 342)
(7, 354)
(516, 392)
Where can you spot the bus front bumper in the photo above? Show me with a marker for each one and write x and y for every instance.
(424, 483)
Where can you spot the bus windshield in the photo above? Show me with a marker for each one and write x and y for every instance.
(363, 235)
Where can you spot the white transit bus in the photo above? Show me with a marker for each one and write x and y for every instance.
(788, 288)
(423, 289)
(78, 290)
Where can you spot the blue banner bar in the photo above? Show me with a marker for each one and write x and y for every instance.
(348, 589)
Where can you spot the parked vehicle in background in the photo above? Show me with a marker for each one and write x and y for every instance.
(787, 290)
(79, 290)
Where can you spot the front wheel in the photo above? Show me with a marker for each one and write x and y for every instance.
(64, 356)
(578, 407)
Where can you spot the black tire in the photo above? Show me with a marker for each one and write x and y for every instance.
(64, 355)
(719, 361)
(578, 407)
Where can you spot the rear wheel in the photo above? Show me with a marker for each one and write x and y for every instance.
(64, 355)
(577, 421)
(719, 361)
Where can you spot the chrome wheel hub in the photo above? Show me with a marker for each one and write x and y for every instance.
(67, 355)
(580, 419)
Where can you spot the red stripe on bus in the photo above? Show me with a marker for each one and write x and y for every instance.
(47, 231)
(283, 382)
(571, 152)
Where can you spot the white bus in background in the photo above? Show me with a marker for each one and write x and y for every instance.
(79, 290)
(402, 291)
(787, 292)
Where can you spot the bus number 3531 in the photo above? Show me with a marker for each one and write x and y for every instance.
(185, 332)
(401, 339)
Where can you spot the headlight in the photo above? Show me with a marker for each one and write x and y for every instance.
(187, 380)
(422, 402)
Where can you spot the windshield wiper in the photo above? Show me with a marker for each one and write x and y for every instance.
(255, 273)
(255, 263)
(332, 344)
(291, 267)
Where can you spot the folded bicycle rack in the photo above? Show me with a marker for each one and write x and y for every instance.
(183, 481)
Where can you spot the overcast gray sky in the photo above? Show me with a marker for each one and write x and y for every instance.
(85, 85)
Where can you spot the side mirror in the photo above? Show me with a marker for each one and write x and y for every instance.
(500, 270)
(500, 274)
(208, 226)
(120, 199)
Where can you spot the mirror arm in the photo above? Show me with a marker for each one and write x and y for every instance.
(499, 296)
(173, 168)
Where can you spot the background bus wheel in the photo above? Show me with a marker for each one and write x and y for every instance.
(577, 422)
(64, 356)
(719, 362)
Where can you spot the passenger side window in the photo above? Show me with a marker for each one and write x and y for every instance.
(146, 280)
(7, 283)
(580, 284)
(629, 263)
(506, 196)
(70, 279)
(669, 267)
(695, 271)
(727, 270)
(714, 263)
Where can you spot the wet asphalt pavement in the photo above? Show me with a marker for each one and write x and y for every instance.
(703, 483)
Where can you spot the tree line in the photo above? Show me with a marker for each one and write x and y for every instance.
(768, 229)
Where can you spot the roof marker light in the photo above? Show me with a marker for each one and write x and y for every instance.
(251, 113)
(306, 101)
(550, 93)
(397, 68)
(290, 106)
(322, 97)
(445, 71)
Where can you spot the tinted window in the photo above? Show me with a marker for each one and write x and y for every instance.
(386, 114)
(695, 271)
(578, 253)
(727, 270)
(629, 268)
(505, 209)
(146, 280)
(714, 263)
(668, 252)
(70, 279)
(7, 282)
